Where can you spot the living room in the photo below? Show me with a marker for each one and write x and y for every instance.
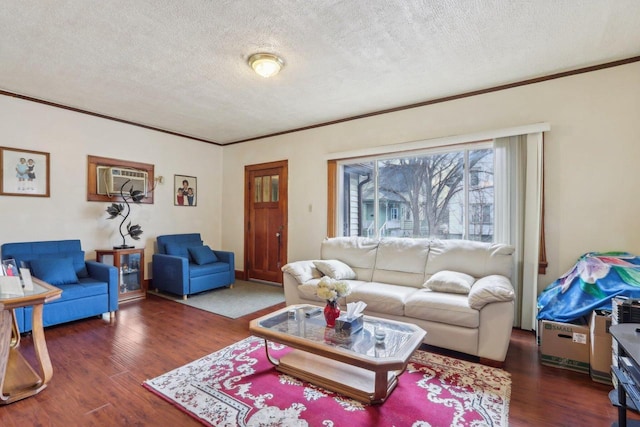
(590, 154)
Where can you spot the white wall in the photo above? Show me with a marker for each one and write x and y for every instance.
(70, 137)
(592, 172)
(592, 156)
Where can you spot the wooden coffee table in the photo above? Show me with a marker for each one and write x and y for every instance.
(353, 365)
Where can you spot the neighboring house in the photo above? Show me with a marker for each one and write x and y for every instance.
(402, 196)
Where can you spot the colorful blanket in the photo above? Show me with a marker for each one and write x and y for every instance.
(591, 284)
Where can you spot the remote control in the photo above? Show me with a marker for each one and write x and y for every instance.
(312, 311)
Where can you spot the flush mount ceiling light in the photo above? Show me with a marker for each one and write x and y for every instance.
(266, 64)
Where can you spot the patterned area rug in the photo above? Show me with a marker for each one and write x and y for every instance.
(237, 386)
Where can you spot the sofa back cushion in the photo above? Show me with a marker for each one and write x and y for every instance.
(202, 255)
(25, 252)
(55, 271)
(359, 253)
(401, 261)
(178, 241)
(477, 259)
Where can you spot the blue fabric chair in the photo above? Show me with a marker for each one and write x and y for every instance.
(89, 288)
(183, 265)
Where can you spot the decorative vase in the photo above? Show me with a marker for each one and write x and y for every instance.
(331, 313)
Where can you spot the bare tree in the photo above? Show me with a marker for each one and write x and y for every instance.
(427, 184)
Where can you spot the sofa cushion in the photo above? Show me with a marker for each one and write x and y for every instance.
(308, 289)
(302, 271)
(196, 270)
(450, 281)
(477, 259)
(493, 288)
(335, 269)
(178, 249)
(451, 309)
(401, 261)
(357, 252)
(84, 288)
(55, 271)
(187, 239)
(382, 297)
(202, 255)
(77, 258)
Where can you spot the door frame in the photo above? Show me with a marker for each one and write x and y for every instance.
(284, 179)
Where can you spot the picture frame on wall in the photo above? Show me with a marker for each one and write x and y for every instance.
(24, 172)
(185, 190)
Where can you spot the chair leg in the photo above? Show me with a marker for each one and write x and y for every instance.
(184, 297)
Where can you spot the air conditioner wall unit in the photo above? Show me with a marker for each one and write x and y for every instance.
(110, 180)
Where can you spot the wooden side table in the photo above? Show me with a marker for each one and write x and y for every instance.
(21, 379)
(130, 264)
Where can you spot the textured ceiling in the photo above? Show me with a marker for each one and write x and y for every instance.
(180, 65)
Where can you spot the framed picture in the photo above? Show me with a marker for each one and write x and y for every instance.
(24, 172)
(10, 267)
(185, 190)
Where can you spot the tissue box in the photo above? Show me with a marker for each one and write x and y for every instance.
(349, 326)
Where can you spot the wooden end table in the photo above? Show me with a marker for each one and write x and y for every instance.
(21, 379)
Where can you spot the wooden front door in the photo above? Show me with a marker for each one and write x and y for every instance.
(265, 221)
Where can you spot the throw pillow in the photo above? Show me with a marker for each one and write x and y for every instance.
(450, 281)
(302, 271)
(177, 249)
(494, 288)
(202, 255)
(55, 271)
(335, 269)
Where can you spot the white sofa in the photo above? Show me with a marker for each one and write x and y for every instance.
(390, 276)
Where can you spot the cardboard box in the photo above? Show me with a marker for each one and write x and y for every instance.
(565, 345)
(600, 346)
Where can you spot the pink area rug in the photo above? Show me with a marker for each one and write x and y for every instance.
(237, 386)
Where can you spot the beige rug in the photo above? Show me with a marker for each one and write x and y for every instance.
(244, 298)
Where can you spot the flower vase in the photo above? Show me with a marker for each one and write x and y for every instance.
(331, 313)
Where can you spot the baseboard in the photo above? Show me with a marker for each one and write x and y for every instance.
(240, 275)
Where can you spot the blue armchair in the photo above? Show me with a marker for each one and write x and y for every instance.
(88, 288)
(183, 265)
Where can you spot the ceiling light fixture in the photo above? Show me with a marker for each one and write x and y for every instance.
(266, 64)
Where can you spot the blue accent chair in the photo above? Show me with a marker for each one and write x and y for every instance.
(89, 288)
(183, 265)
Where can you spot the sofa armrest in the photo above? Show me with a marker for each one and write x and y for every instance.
(228, 257)
(171, 273)
(489, 289)
(105, 273)
(494, 333)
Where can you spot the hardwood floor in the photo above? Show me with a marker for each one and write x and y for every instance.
(99, 368)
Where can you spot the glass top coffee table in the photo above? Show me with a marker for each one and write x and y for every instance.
(355, 365)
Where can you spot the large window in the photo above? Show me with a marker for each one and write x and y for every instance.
(428, 194)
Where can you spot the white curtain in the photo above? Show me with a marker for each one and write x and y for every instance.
(518, 214)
